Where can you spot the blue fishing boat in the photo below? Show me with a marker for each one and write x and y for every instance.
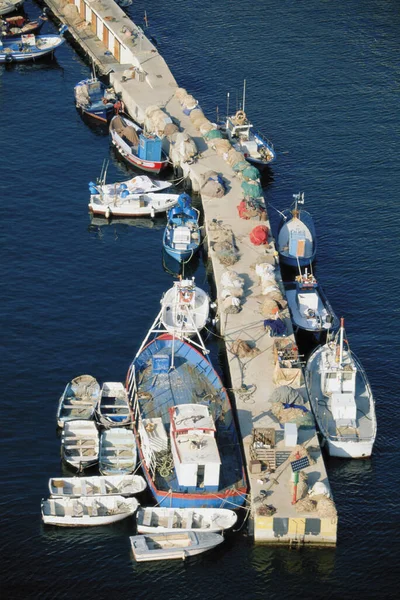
(309, 307)
(12, 27)
(296, 239)
(30, 47)
(182, 235)
(95, 99)
(9, 6)
(185, 427)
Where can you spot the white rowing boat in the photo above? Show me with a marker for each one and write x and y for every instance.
(86, 512)
(158, 519)
(97, 485)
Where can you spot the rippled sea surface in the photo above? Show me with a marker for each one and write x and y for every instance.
(78, 297)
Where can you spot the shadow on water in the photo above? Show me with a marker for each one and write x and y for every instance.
(176, 269)
(46, 63)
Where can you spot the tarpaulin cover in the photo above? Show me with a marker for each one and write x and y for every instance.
(259, 235)
(277, 326)
(286, 395)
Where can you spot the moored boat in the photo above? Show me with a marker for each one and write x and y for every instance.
(140, 149)
(16, 26)
(113, 408)
(170, 546)
(341, 398)
(309, 307)
(132, 205)
(9, 6)
(185, 308)
(94, 99)
(296, 238)
(86, 511)
(80, 444)
(185, 426)
(30, 47)
(118, 452)
(79, 400)
(160, 519)
(97, 485)
(182, 235)
(140, 184)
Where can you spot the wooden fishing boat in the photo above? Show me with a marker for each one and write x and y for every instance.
(182, 235)
(185, 427)
(29, 46)
(132, 205)
(86, 511)
(94, 99)
(80, 444)
(309, 307)
(118, 452)
(97, 485)
(138, 148)
(160, 519)
(9, 6)
(170, 546)
(341, 399)
(185, 308)
(296, 237)
(79, 400)
(113, 408)
(16, 26)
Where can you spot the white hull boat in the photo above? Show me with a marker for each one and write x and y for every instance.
(113, 409)
(79, 400)
(87, 512)
(341, 399)
(97, 485)
(80, 444)
(185, 309)
(132, 205)
(170, 546)
(141, 184)
(158, 519)
(118, 452)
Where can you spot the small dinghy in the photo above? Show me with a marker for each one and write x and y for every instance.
(170, 546)
(169, 520)
(16, 26)
(113, 409)
(341, 399)
(80, 444)
(8, 6)
(94, 99)
(30, 47)
(182, 235)
(79, 400)
(141, 184)
(117, 452)
(309, 307)
(97, 485)
(140, 149)
(296, 237)
(87, 512)
(185, 308)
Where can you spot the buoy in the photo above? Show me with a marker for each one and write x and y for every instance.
(152, 212)
(108, 212)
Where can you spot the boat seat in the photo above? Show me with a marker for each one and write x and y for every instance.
(189, 520)
(147, 518)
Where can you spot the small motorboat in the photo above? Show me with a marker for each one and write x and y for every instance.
(16, 26)
(86, 511)
(341, 399)
(140, 149)
(30, 47)
(118, 452)
(97, 485)
(169, 546)
(132, 205)
(95, 99)
(255, 147)
(80, 444)
(9, 6)
(158, 519)
(185, 308)
(182, 235)
(79, 400)
(309, 307)
(296, 237)
(113, 408)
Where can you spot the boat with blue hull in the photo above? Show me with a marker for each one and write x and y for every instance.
(296, 238)
(12, 27)
(184, 423)
(30, 47)
(94, 99)
(182, 235)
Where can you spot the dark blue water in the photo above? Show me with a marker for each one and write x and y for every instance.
(323, 84)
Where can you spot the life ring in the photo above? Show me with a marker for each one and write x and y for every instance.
(186, 296)
(240, 116)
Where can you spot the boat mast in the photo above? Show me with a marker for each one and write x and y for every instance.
(341, 341)
(227, 104)
(244, 94)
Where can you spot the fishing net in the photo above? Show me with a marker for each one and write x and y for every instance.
(252, 189)
(242, 349)
(251, 173)
(213, 134)
(259, 235)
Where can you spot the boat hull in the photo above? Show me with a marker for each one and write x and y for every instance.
(154, 204)
(11, 52)
(145, 165)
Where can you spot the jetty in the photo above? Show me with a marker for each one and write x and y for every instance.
(289, 496)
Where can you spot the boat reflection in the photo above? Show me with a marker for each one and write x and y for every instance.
(96, 223)
(175, 268)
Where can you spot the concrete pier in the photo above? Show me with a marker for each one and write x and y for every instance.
(142, 77)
